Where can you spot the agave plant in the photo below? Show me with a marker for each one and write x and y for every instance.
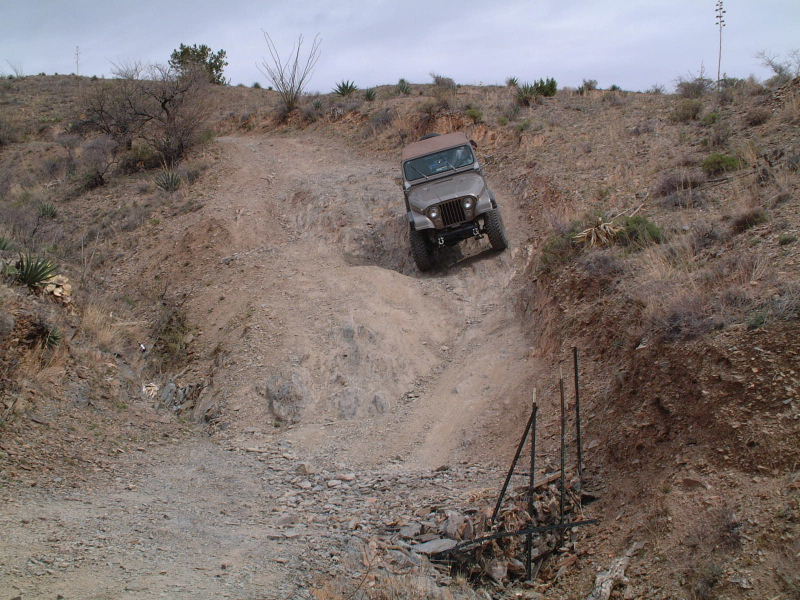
(33, 271)
(5, 243)
(369, 95)
(168, 180)
(51, 337)
(345, 88)
(602, 234)
(512, 82)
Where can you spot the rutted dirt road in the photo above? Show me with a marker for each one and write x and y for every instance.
(337, 380)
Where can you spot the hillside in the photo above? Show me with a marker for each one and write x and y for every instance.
(300, 373)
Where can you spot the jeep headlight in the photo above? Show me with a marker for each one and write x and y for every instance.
(433, 212)
(468, 203)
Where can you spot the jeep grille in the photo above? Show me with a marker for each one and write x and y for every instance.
(452, 212)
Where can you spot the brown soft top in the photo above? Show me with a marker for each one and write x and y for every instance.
(434, 144)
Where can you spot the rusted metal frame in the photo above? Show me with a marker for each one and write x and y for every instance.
(512, 467)
(531, 488)
(506, 534)
(578, 416)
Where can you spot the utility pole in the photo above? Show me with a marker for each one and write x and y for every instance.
(720, 12)
(77, 60)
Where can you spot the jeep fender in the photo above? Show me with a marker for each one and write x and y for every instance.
(485, 202)
(418, 221)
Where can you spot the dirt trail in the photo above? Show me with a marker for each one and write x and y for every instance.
(298, 280)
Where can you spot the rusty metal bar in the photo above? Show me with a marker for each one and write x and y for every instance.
(578, 416)
(563, 483)
(511, 468)
(531, 490)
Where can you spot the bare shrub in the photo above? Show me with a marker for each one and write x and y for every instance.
(380, 120)
(686, 110)
(748, 218)
(602, 264)
(694, 87)
(96, 159)
(290, 76)
(783, 70)
(757, 116)
(678, 181)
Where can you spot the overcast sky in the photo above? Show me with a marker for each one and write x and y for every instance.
(631, 43)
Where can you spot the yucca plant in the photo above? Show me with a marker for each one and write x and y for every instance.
(47, 210)
(168, 180)
(403, 87)
(369, 95)
(512, 82)
(5, 243)
(33, 271)
(51, 337)
(345, 88)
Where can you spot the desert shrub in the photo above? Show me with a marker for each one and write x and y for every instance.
(168, 180)
(370, 95)
(588, 85)
(140, 157)
(686, 110)
(718, 163)
(6, 243)
(512, 82)
(558, 249)
(718, 136)
(474, 114)
(381, 119)
(748, 218)
(639, 231)
(96, 159)
(614, 88)
(256, 85)
(783, 70)
(33, 271)
(695, 87)
(709, 119)
(757, 116)
(9, 133)
(526, 95)
(686, 198)
(47, 210)
(189, 58)
(602, 264)
(345, 88)
(403, 87)
(656, 89)
(546, 87)
(677, 181)
(511, 112)
(443, 82)
(170, 333)
(785, 239)
(502, 121)
(523, 126)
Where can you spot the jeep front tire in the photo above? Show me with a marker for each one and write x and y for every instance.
(495, 230)
(421, 250)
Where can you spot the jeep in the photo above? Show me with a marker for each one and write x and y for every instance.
(447, 198)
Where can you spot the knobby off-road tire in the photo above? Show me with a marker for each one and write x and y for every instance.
(421, 250)
(495, 230)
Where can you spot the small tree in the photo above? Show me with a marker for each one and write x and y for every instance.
(186, 57)
(290, 77)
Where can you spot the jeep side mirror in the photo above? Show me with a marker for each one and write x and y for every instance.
(474, 144)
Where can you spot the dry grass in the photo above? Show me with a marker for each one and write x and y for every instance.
(98, 327)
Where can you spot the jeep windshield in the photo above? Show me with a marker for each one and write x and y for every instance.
(438, 162)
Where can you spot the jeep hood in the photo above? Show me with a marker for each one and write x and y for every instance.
(422, 195)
